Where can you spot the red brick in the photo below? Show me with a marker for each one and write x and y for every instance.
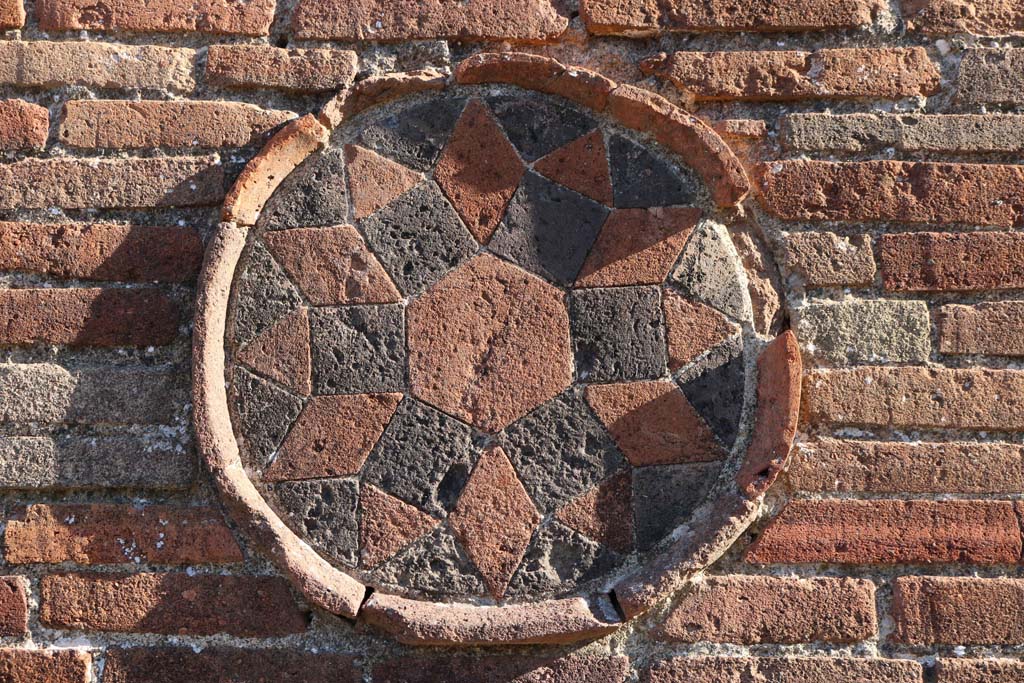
(380, 89)
(220, 664)
(45, 666)
(825, 259)
(521, 20)
(763, 609)
(118, 534)
(932, 261)
(917, 397)
(111, 183)
(101, 251)
(995, 329)
(23, 125)
(252, 18)
(260, 66)
(507, 669)
(115, 124)
(821, 669)
(45, 64)
(986, 18)
(886, 73)
(958, 610)
(12, 14)
(838, 466)
(890, 532)
(13, 608)
(988, 670)
(171, 604)
(907, 192)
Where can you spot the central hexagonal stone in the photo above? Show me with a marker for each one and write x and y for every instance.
(488, 343)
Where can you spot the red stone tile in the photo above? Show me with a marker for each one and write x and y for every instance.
(604, 514)
(582, 165)
(692, 328)
(281, 352)
(332, 266)
(374, 181)
(332, 436)
(638, 246)
(494, 520)
(653, 423)
(387, 525)
(479, 171)
(488, 343)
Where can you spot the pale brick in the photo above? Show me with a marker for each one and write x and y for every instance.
(855, 332)
(938, 133)
(825, 259)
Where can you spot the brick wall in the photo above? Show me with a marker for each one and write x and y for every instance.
(883, 143)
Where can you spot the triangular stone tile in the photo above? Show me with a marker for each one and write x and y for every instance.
(263, 295)
(604, 514)
(387, 524)
(433, 567)
(374, 181)
(538, 126)
(324, 512)
(581, 165)
(717, 393)
(264, 410)
(692, 329)
(640, 179)
(479, 171)
(333, 436)
(710, 270)
(281, 352)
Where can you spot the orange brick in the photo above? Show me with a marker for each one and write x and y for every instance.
(820, 669)
(251, 18)
(259, 66)
(995, 329)
(13, 607)
(983, 18)
(958, 611)
(23, 125)
(988, 670)
(962, 262)
(219, 664)
(45, 666)
(12, 14)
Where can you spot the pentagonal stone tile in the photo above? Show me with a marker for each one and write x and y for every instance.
(641, 179)
(414, 135)
(281, 352)
(386, 525)
(666, 495)
(312, 195)
(263, 295)
(618, 334)
(324, 512)
(265, 412)
(423, 458)
(559, 560)
(539, 126)
(604, 513)
(358, 349)
(560, 451)
(692, 329)
(418, 237)
(548, 229)
(717, 394)
(582, 166)
(710, 270)
(434, 567)
(374, 181)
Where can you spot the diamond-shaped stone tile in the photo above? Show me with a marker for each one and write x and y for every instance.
(710, 271)
(640, 179)
(581, 165)
(324, 511)
(386, 525)
(488, 343)
(479, 171)
(494, 520)
(604, 514)
(692, 329)
(281, 352)
(374, 181)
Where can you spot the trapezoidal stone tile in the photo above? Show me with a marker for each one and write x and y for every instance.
(642, 179)
(325, 511)
(710, 271)
(332, 266)
(618, 334)
(692, 329)
(488, 343)
(479, 171)
(387, 525)
(358, 349)
(263, 294)
(374, 181)
(332, 436)
(414, 135)
(312, 195)
(538, 126)
(604, 514)
(281, 352)
(582, 165)
(666, 495)
(265, 412)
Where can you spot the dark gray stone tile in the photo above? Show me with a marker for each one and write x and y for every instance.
(358, 349)
(414, 135)
(641, 179)
(559, 560)
(313, 195)
(323, 512)
(618, 334)
(263, 295)
(548, 229)
(664, 496)
(538, 126)
(265, 412)
(710, 270)
(717, 394)
(418, 238)
(433, 567)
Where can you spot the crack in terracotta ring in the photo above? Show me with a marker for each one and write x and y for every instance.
(352, 506)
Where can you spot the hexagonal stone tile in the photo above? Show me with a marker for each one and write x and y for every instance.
(618, 334)
(358, 349)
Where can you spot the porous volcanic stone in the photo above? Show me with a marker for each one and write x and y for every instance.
(641, 179)
(281, 352)
(434, 566)
(324, 511)
(263, 294)
(665, 495)
(358, 349)
(559, 560)
(539, 126)
(312, 195)
(710, 271)
(374, 180)
(692, 329)
(717, 393)
(618, 334)
(265, 411)
(414, 135)
(604, 513)
(582, 165)
(386, 525)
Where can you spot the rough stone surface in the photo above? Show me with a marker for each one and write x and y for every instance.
(788, 669)
(24, 125)
(665, 495)
(972, 261)
(374, 181)
(538, 126)
(995, 328)
(692, 329)
(989, 670)
(215, 664)
(294, 70)
(618, 334)
(935, 133)
(641, 179)
(604, 513)
(358, 349)
(386, 525)
(263, 295)
(993, 18)
(325, 511)
(990, 76)
(281, 353)
(581, 165)
(434, 566)
(710, 271)
(265, 412)
(206, 16)
(504, 669)
(313, 195)
(825, 259)
(859, 332)
(559, 560)
(957, 610)
(45, 666)
(415, 135)
(717, 394)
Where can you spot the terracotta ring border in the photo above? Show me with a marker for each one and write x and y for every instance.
(430, 623)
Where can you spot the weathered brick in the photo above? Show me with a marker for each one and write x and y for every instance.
(989, 670)
(523, 20)
(841, 466)
(45, 64)
(855, 332)
(825, 259)
(890, 532)
(991, 76)
(219, 664)
(172, 604)
(23, 125)
(958, 610)
(909, 192)
(252, 18)
(507, 669)
(117, 534)
(764, 609)
(886, 73)
(260, 66)
(13, 607)
(111, 183)
(45, 666)
(115, 124)
(995, 329)
(73, 463)
(102, 251)
(917, 397)
(50, 394)
(985, 18)
(12, 14)
(88, 317)
(933, 261)
(939, 133)
(702, 669)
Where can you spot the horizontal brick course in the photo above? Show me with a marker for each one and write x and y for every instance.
(219, 664)
(763, 609)
(23, 125)
(13, 607)
(936, 133)
(842, 466)
(260, 66)
(45, 666)
(12, 14)
(916, 397)
(995, 329)
(958, 611)
(503, 669)
(171, 604)
(991, 76)
(118, 534)
(908, 192)
(886, 73)
(984, 18)
(821, 669)
(865, 331)
(825, 259)
(252, 18)
(890, 532)
(990, 670)
(964, 262)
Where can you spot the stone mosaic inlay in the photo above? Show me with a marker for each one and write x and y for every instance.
(488, 347)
